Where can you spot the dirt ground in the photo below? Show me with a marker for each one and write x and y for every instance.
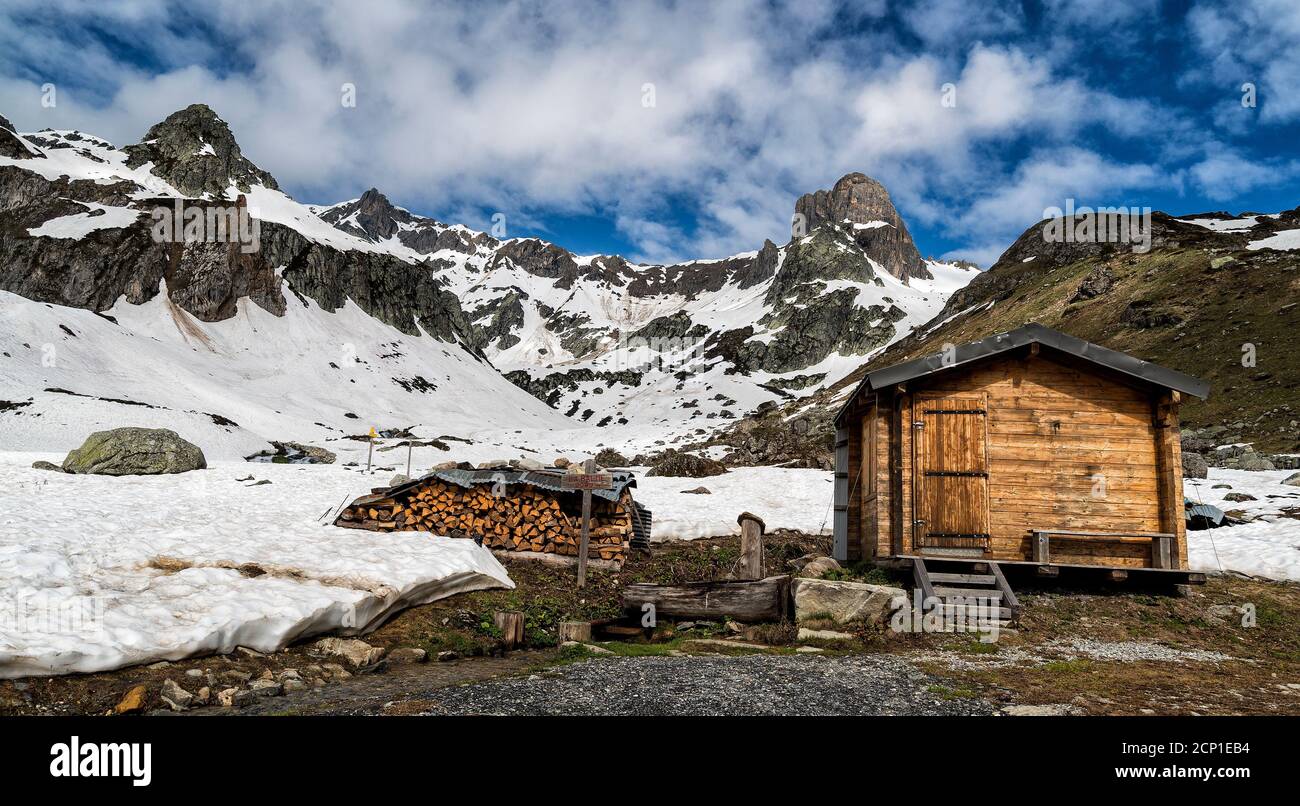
(1231, 647)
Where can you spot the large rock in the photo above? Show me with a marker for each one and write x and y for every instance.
(1292, 480)
(135, 452)
(1194, 466)
(843, 602)
(676, 463)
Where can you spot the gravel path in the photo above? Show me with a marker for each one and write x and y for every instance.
(747, 685)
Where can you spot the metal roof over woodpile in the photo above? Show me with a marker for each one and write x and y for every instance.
(1032, 333)
(549, 479)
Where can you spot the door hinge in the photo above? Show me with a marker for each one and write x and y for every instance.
(918, 424)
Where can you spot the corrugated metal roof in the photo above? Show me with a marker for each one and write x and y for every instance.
(1032, 333)
(546, 479)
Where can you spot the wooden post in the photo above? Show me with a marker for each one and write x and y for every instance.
(1041, 549)
(575, 631)
(584, 540)
(371, 452)
(408, 458)
(511, 625)
(751, 546)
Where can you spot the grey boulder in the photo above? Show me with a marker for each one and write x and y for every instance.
(135, 451)
(843, 602)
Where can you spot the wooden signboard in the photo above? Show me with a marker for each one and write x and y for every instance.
(587, 481)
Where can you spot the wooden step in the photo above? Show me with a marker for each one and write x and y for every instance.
(995, 612)
(970, 593)
(963, 579)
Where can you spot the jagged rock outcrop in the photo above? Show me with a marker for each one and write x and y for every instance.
(195, 152)
(374, 218)
(862, 206)
(13, 146)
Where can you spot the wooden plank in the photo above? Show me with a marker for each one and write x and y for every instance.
(962, 579)
(761, 600)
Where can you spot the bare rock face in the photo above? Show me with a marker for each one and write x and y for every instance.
(13, 146)
(194, 150)
(859, 200)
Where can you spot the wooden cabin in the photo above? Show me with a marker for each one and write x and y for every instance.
(1030, 447)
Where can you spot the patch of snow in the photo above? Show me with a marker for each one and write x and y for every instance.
(101, 572)
(785, 498)
(1285, 240)
(1267, 547)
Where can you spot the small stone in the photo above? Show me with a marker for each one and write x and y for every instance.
(203, 697)
(249, 653)
(408, 654)
(560, 462)
(447, 655)
(193, 672)
(44, 465)
(133, 702)
(336, 671)
(162, 664)
(806, 634)
(179, 697)
(235, 676)
(357, 653)
(290, 674)
(316, 682)
(226, 697)
(266, 688)
(698, 491)
(818, 567)
(294, 684)
(1239, 497)
(685, 625)
(243, 697)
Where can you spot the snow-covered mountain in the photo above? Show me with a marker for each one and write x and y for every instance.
(362, 313)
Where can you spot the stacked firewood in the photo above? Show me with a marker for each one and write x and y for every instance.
(522, 518)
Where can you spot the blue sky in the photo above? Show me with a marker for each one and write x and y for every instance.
(679, 130)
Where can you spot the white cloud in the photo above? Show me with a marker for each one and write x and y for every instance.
(531, 108)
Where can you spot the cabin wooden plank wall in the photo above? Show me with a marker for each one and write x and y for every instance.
(1067, 445)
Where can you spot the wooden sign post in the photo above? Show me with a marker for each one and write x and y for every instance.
(587, 481)
(370, 454)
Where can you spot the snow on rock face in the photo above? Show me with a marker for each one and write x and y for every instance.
(97, 573)
(79, 225)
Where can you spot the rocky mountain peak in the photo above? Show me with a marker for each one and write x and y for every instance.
(862, 205)
(194, 150)
(5, 124)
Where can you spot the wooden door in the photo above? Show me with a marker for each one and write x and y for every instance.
(951, 472)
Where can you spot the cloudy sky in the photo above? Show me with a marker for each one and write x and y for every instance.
(678, 130)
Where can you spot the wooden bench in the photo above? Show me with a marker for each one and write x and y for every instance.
(1161, 543)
